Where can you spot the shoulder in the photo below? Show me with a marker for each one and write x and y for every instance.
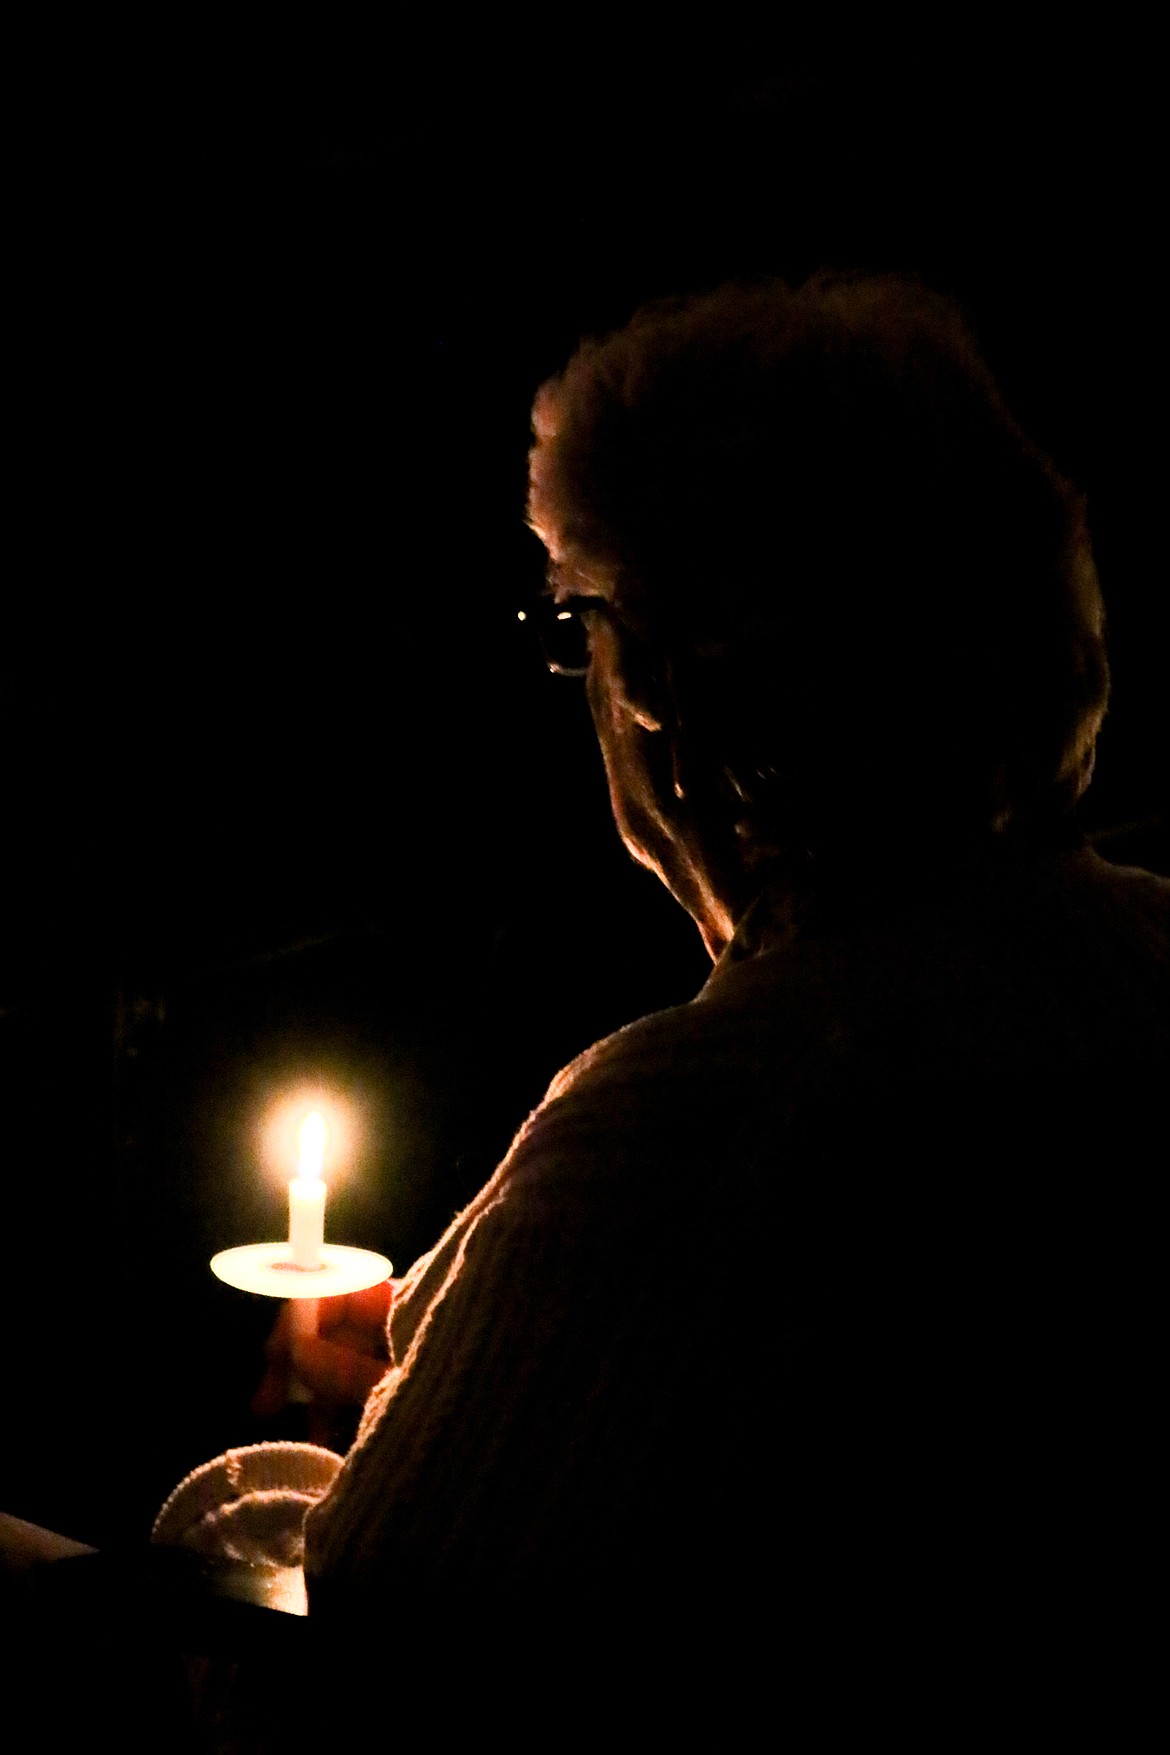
(1099, 934)
(1122, 894)
(678, 1081)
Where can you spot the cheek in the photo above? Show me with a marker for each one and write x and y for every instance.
(631, 756)
(607, 727)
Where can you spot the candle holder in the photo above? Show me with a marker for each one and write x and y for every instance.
(269, 1269)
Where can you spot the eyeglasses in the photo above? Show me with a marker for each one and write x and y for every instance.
(563, 631)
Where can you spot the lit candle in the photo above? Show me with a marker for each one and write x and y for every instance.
(306, 1196)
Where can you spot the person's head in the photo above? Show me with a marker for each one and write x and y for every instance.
(847, 604)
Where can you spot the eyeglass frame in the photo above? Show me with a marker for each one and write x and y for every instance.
(545, 613)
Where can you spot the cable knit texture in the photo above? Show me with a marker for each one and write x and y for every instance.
(248, 1504)
(853, 1242)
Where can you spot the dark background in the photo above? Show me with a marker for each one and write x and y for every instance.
(287, 794)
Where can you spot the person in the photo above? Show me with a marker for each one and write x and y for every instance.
(832, 1289)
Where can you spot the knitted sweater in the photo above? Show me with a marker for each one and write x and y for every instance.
(843, 1266)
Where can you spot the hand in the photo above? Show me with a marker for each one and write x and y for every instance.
(340, 1364)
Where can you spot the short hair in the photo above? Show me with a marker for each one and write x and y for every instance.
(868, 595)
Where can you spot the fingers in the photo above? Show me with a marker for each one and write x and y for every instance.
(362, 1310)
(371, 1342)
(341, 1364)
(336, 1373)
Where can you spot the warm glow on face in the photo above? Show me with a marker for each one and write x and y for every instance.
(312, 1145)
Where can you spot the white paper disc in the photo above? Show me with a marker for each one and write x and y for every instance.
(268, 1268)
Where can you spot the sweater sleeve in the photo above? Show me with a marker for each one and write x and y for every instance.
(724, 1224)
(537, 1355)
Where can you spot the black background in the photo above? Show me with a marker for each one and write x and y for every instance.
(287, 793)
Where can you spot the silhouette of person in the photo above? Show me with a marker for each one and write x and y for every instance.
(846, 665)
(833, 1287)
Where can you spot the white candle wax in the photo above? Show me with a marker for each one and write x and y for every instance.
(306, 1220)
(306, 1197)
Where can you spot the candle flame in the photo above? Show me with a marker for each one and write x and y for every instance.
(312, 1145)
(280, 1137)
